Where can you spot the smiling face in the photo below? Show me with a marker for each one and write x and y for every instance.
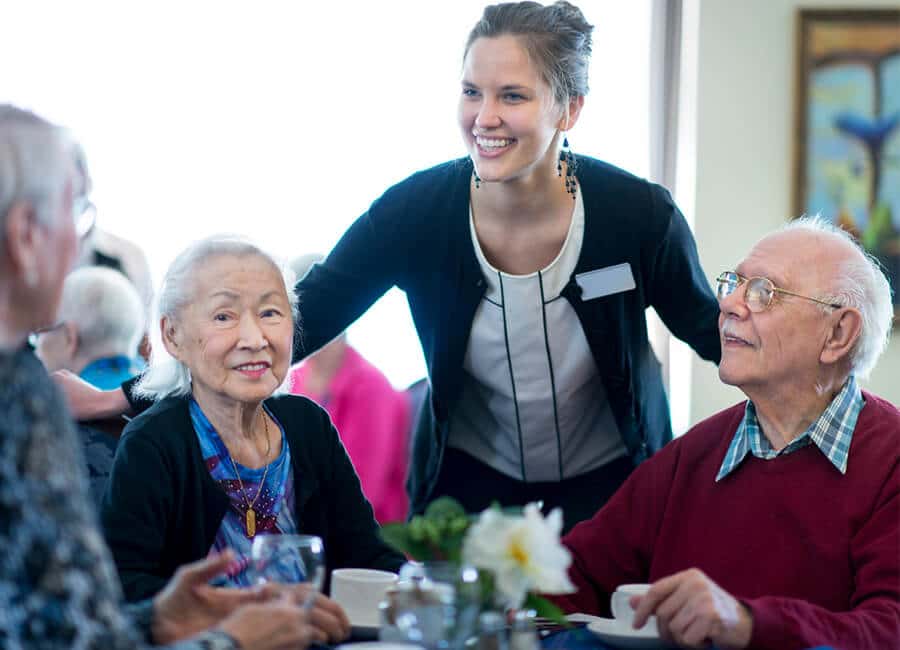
(235, 334)
(780, 347)
(507, 113)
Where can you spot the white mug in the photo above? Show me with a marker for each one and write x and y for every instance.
(621, 607)
(359, 591)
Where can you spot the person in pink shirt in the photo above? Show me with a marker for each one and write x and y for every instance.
(372, 418)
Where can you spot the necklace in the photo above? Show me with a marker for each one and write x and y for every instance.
(250, 516)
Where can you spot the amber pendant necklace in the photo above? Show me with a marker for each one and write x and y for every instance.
(250, 516)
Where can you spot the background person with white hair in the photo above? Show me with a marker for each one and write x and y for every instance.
(100, 323)
(96, 334)
(774, 523)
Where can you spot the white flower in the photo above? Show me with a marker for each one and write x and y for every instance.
(522, 551)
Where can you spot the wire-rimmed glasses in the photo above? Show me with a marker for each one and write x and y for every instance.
(33, 337)
(759, 291)
(84, 214)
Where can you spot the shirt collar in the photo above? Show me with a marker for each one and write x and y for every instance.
(831, 432)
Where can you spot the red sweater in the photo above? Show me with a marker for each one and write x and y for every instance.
(814, 554)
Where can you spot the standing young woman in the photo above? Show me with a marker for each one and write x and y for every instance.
(528, 270)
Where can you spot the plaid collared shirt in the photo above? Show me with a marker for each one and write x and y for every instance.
(831, 432)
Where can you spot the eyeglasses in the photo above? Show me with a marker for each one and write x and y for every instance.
(84, 214)
(759, 293)
(33, 337)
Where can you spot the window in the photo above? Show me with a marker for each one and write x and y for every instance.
(283, 121)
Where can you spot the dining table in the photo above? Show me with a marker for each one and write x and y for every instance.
(576, 638)
(581, 638)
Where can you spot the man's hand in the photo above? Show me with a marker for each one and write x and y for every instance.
(694, 611)
(189, 605)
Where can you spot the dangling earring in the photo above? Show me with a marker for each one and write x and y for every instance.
(566, 156)
(477, 179)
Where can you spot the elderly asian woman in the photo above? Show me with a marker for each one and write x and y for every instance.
(58, 587)
(219, 459)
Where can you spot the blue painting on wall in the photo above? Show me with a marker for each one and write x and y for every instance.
(848, 135)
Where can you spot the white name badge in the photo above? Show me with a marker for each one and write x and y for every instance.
(605, 282)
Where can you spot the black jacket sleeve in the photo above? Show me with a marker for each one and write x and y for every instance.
(677, 287)
(371, 257)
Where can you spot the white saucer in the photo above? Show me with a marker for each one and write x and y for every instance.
(622, 635)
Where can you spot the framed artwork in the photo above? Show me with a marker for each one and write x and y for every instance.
(847, 148)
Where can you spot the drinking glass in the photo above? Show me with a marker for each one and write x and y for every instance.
(289, 559)
(434, 605)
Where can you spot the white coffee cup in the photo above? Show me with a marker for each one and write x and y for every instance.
(621, 605)
(359, 591)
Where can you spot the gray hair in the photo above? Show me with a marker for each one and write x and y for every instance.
(859, 282)
(166, 376)
(35, 159)
(106, 309)
(557, 39)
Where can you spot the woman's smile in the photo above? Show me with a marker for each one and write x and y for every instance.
(254, 370)
(492, 147)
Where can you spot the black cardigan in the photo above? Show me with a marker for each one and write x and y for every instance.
(162, 508)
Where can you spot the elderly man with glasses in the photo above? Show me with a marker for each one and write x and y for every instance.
(774, 523)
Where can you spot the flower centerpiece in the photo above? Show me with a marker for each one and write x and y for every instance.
(517, 551)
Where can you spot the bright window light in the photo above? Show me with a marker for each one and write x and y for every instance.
(283, 121)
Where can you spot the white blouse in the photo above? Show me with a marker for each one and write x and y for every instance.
(533, 406)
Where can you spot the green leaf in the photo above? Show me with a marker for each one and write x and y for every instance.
(444, 508)
(398, 537)
(546, 609)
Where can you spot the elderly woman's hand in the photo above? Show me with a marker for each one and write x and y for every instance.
(87, 402)
(329, 618)
(278, 624)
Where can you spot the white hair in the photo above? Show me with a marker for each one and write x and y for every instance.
(859, 282)
(166, 376)
(105, 308)
(35, 163)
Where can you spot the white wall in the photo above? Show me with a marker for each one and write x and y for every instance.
(744, 152)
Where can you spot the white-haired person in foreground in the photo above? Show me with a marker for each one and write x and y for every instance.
(58, 585)
(96, 334)
(774, 523)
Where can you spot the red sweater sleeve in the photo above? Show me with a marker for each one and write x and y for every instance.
(874, 619)
(616, 546)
